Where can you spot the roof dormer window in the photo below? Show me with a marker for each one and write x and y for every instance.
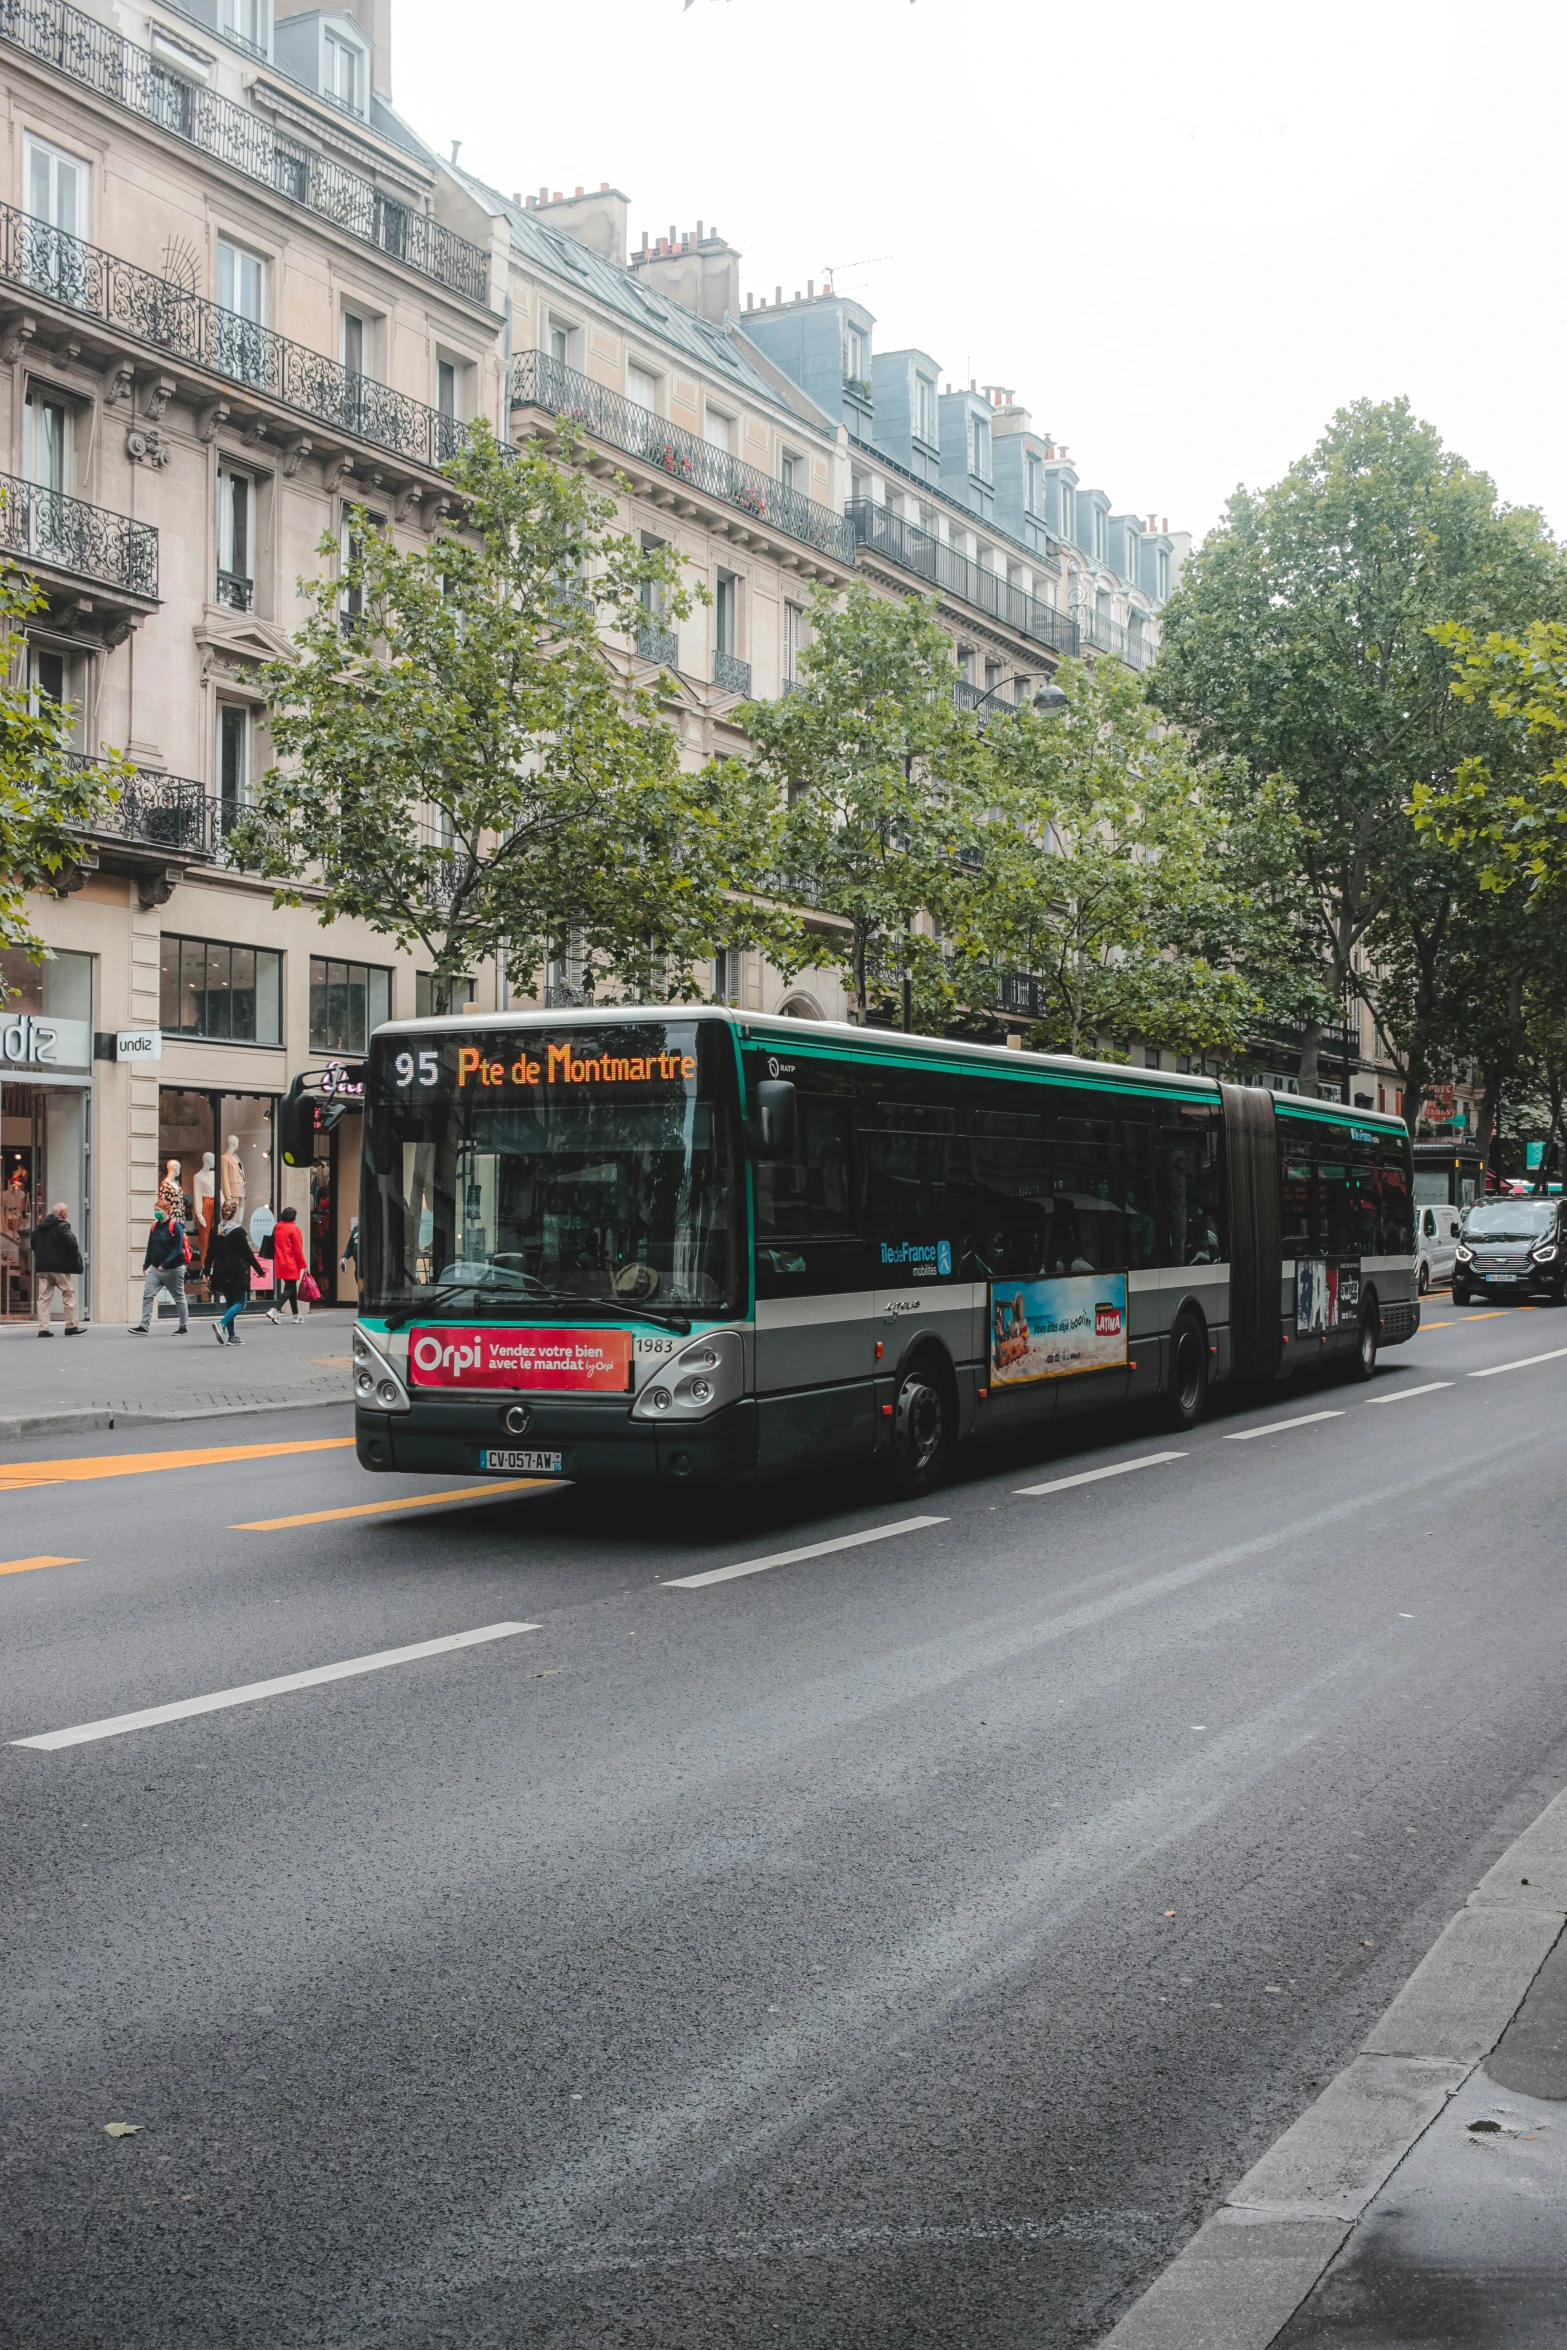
(343, 75)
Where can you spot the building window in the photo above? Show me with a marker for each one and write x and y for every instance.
(726, 612)
(234, 723)
(227, 993)
(728, 975)
(1035, 485)
(355, 343)
(347, 1001)
(236, 585)
(793, 641)
(242, 297)
(1163, 573)
(446, 389)
(856, 363)
(56, 188)
(344, 74)
(718, 430)
(431, 1002)
(46, 447)
(789, 468)
(642, 388)
(925, 410)
(979, 447)
(1101, 535)
(1068, 512)
(352, 603)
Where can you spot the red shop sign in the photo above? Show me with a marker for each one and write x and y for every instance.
(596, 1361)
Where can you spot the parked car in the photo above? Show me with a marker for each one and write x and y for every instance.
(1512, 1248)
(1436, 1244)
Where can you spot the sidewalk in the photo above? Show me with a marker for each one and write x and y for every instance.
(107, 1379)
(1422, 2200)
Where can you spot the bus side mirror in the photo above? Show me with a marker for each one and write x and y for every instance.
(774, 1123)
(296, 1126)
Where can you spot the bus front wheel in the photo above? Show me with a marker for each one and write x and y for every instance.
(922, 1430)
(1187, 1395)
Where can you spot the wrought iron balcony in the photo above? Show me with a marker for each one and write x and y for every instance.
(235, 590)
(1023, 992)
(41, 527)
(655, 643)
(538, 381)
(139, 307)
(1334, 1045)
(1130, 645)
(914, 550)
(733, 674)
(75, 44)
(164, 816)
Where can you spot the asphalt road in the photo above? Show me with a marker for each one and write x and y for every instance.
(900, 1946)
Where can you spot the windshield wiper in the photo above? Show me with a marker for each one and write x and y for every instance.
(664, 1318)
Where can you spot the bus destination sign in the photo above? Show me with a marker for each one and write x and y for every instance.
(595, 1362)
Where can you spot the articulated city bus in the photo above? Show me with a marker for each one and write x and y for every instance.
(676, 1244)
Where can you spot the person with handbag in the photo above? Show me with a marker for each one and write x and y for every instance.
(288, 1256)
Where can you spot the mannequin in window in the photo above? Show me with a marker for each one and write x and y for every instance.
(203, 1184)
(234, 1176)
(171, 1191)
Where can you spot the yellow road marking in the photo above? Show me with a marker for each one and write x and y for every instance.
(25, 1566)
(1436, 1325)
(18, 1475)
(1494, 1315)
(408, 1501)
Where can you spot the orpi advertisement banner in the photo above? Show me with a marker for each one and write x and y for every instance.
(595, 1362)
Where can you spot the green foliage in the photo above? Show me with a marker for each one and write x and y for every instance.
(1507, 805)
(879, 777)
(47, 794)
(460, 767)
(1305, 639)
(1151, 893)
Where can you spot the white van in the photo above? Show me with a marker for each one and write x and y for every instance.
(1435, 1240)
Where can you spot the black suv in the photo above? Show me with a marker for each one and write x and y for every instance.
(1512, 1248)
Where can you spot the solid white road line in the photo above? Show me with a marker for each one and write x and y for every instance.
(1276, 1427)
(117, 1724)
(1403, 1394)
(1523, 1363)
(787, 1558)
(1149, 1460)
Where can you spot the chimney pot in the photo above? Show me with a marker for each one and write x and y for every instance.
(750, 301)
(557, 195)
(699, 232)
(671, 235)
(810, 289)
(516, 195)
(603, 187)
(544, 195)
(644, 240)
(797, 293)
(580, 189)
(777, 293)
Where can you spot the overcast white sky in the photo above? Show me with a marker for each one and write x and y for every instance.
(1183, 233)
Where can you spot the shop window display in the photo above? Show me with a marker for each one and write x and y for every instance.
(44, 1115)
(216, 1159)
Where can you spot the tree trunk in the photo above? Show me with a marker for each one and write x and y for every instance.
(1310, 1048)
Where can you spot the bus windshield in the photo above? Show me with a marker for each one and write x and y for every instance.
(509, 1170)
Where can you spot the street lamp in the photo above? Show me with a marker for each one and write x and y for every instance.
(1050, 698)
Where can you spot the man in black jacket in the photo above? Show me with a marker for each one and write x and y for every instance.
(167, 1256)
(57, 1259)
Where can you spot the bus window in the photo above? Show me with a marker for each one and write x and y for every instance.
(1189, 1189)
(1395, 1234)
(1363, 1211)
(1141, 1193)
(811, 1195)
(1333, 1179)
(1088, 1215)
(1297, 1209)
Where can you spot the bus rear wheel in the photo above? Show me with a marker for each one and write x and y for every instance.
(922, 1429)
(1187, 1395)
(1363, 1364)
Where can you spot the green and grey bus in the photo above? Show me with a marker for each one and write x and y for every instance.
(692, 1244)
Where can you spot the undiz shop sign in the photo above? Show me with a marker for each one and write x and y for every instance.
(565, 1065)
(577, 1362)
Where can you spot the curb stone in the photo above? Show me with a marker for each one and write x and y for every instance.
(65, 1423)
(1247, 2270)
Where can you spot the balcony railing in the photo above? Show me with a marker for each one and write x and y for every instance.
(235, 590)
(1130, 645)
(1334, 1045)
(90, 53)
(732, 674)
(54, 267)
(538, 381)
(167, 813)
(914, 550)
(65, 534)
(658, 644)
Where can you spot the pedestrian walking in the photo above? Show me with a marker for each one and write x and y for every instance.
(167, 1255)
(288, 1255)
(57, 1259)
(229, 1266)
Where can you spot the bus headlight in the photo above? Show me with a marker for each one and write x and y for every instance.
(705, 1376)
(376, 1384)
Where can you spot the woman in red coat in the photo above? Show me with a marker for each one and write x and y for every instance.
(288, 1255)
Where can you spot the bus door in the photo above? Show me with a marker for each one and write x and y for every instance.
(815, 1345)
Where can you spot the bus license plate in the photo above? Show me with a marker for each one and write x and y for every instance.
(540, 1463)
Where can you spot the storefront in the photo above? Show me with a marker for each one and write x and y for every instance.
(46, 1041)
(217, 1157)
(334, 1185)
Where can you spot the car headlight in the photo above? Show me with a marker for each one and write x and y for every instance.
(1545, 1256)
(1464, 1255)
(376, 1383)
(702, 1378)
